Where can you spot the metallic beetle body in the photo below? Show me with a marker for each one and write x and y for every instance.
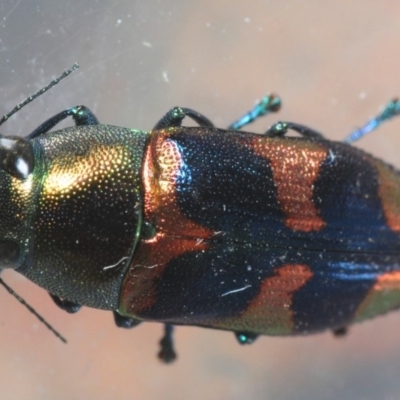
(86, 212)
(254, 234)
(266, 235)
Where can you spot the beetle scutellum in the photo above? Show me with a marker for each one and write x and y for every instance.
(255, 234)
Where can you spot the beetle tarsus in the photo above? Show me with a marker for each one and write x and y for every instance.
(175, 116)
(167, 353)
(277, 129)
(125, 322)
(281, 128)
(83, 116)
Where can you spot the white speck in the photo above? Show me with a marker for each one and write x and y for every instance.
(236, 290)
(151, 266)
(7, 143)
(332, 156)
(77, 242)
(115, 265)
(165, 76)
(119, 22)
(146, 266)
(247, 20)
(362, 95)
(249, 268)
(147, 44)
(22, 167)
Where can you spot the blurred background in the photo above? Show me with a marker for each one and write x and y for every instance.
(334, 63)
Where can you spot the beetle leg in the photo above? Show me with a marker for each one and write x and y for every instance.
(16, 154)
(66, 305)
(125, 322)
(81, 115)
(269, 103)
(246, 337)
(281, 129)
(175, 116)
(167, 353)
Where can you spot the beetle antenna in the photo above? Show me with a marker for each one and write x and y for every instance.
(269, 103)
(39, 92)
(390, 110)
(32, 310)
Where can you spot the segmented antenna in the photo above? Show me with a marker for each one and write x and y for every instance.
(39, 93)
(32, 310)
(269, 103)
(390, 110)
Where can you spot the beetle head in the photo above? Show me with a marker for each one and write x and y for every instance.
(16, 184)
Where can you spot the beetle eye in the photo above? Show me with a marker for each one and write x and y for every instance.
(9, 254)
(16, 156)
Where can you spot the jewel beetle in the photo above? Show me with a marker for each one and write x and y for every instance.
(256, 234)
